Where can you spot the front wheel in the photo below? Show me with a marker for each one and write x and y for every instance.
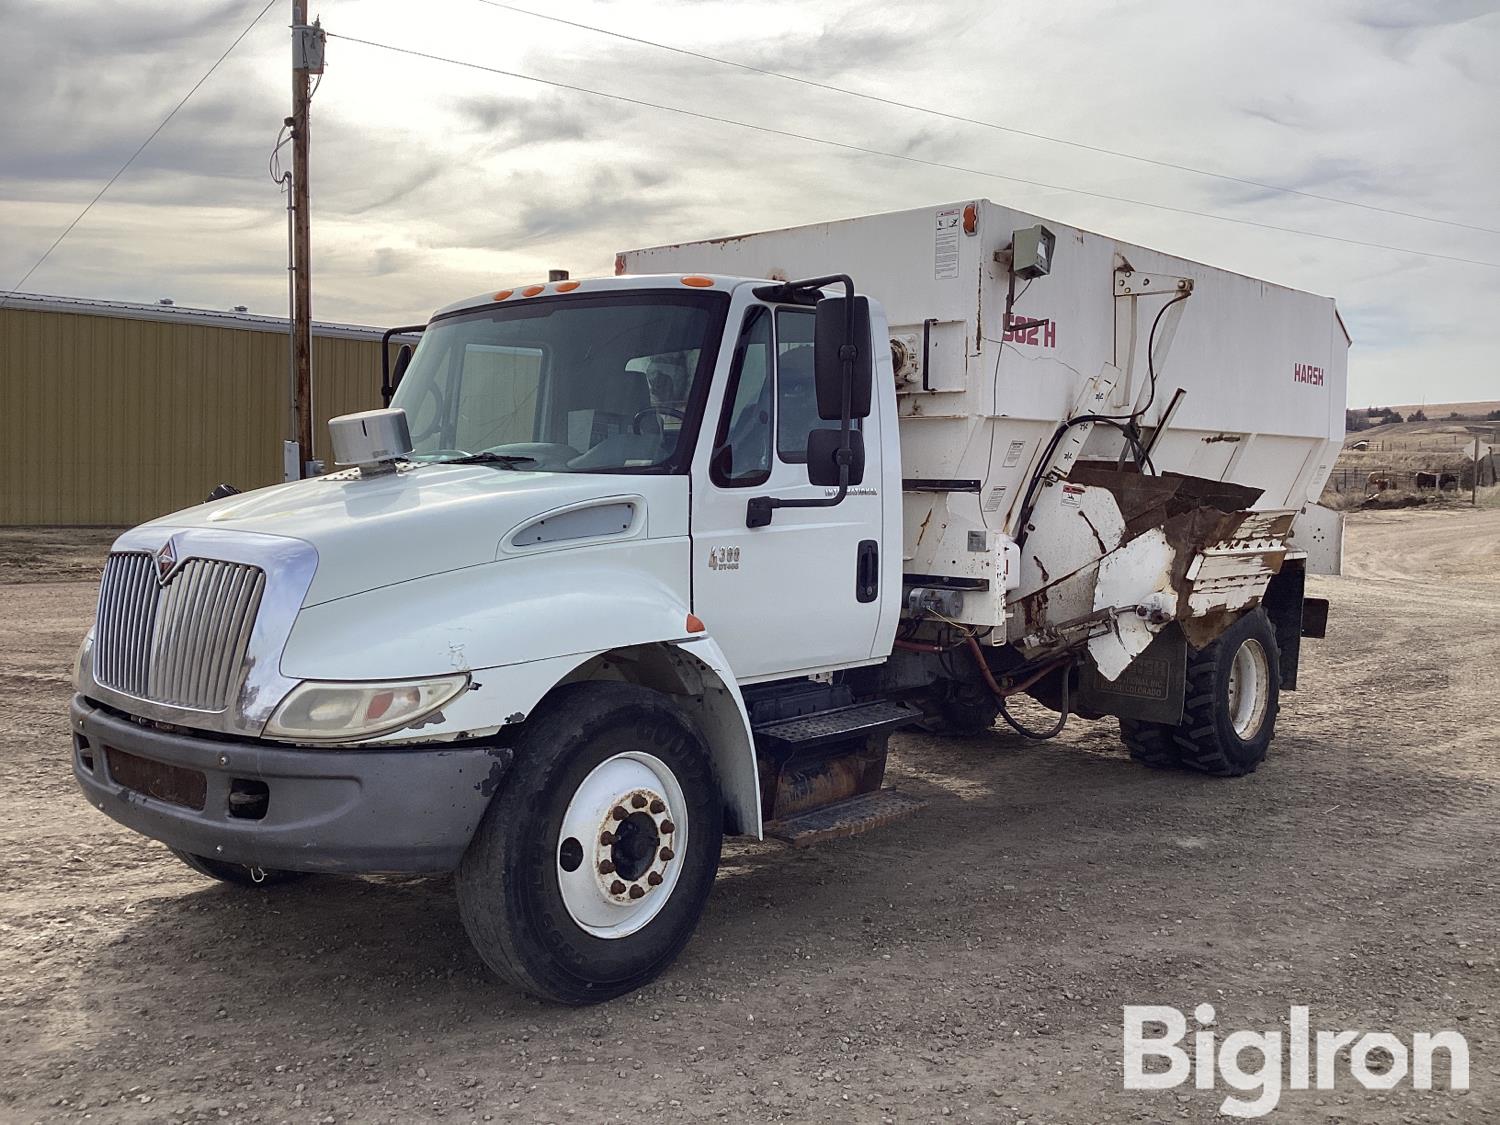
(593, 863)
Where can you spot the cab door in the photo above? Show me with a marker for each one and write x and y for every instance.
(802, 593)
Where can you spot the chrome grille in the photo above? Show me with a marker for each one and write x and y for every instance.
(183, 643)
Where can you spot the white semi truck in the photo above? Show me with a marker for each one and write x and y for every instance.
(633, 563)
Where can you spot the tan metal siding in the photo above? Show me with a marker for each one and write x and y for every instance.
(111, 421)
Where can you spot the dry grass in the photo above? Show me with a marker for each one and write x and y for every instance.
(1489, 497)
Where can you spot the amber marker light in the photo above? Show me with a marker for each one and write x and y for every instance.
(532, 290)
(504, 293)
(698, 282)
(568, 286)
(695, 624)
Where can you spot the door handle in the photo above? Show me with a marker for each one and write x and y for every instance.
(867, 571)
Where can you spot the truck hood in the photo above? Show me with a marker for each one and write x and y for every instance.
(377, 531)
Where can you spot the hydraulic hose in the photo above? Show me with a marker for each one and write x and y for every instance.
(1040, 736)
(1002, 694)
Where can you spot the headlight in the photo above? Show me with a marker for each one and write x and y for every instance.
(316, 711)
(80, 662)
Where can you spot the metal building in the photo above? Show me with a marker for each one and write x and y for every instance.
(116, 412)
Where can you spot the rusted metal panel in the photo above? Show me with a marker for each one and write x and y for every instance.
(175, 785)
(820, 779)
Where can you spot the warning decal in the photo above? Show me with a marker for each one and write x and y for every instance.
(948, 226)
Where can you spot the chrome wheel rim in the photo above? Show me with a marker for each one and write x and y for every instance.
(619, 853)
(1249, 688)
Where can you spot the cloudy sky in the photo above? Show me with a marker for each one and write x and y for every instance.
(431, 182)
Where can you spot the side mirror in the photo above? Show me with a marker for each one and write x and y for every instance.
(403, 361)
(822, 457)
(831, 332)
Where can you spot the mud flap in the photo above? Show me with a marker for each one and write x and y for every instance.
(1151, 689)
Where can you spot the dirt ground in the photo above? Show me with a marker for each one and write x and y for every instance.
(968, 965)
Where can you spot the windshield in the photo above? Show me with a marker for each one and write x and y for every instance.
(613, 383)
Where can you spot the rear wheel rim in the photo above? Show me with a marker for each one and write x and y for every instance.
(619, 853)
(1249, 689)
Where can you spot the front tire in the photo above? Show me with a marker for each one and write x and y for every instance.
(592, 865)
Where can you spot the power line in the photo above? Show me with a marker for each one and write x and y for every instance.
(131, 160)
(904, 156)
(989, 124)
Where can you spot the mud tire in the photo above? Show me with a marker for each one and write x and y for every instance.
(1208, 739)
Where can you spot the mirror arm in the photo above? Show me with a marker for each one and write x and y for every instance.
(386, 390)
(758, 510)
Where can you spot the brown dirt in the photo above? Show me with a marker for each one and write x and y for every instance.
(966, 966)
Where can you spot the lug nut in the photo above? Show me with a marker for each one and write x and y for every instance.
(667, 828)
(658, 807)
(636, 890)
(619, 812)
(606, 867)
(666, 854)
(638, 801)
(617, 888)
(607, 839)
(654, 878)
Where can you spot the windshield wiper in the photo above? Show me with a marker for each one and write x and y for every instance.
(504, 460)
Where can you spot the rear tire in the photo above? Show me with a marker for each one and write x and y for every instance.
(1233, 694)
(1151, 744)
(239, 874)
(562, 896)
(961, 711)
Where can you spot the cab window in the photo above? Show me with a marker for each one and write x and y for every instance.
(796, 396)
(499, 400)
(742, 443)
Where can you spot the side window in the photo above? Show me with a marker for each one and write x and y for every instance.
(742, 442)
(796, 396)
(497, 400)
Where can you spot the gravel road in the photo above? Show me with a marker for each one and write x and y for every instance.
(969, 965)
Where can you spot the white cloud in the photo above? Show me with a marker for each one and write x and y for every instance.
(432, 182)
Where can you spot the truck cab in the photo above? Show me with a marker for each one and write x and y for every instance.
(629, 564)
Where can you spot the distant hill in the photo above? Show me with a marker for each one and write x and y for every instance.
(1439, 411)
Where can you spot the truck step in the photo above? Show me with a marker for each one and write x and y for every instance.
(845, 818)
(836, 725)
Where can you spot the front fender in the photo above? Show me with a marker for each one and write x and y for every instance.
(522, 626)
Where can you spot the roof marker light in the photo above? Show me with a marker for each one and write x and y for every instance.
(698, 282)
(532, 290)
(568, 286)
(504, 293)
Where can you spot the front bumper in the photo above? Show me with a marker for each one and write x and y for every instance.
(407, 809)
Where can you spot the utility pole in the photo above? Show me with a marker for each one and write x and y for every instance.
(307, 60)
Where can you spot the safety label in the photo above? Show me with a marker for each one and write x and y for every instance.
(945, 240)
